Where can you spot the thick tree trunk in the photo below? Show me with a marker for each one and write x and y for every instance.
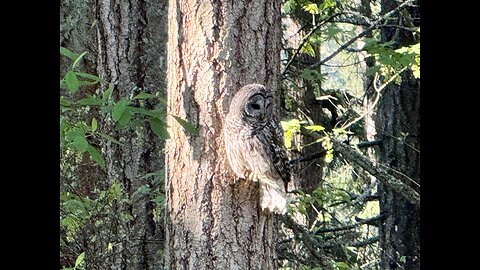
(215, 47)
(398, 120)
(131, 49)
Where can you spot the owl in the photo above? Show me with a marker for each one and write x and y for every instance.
(254, 145)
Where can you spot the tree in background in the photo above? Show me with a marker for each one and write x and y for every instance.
(110, 127)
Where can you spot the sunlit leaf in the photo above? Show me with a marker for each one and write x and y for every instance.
(79, 259)
(75, 63)
(94, 125)
(315, 128)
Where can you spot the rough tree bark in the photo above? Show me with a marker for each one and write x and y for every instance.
(398, 121)
(215, 47)
(131, 51)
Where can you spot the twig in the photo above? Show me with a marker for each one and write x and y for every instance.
(377, 97)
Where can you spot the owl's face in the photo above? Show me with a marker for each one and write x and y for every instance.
(252, 106)
(258, 107)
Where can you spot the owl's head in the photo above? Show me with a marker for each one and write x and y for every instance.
(253, 103)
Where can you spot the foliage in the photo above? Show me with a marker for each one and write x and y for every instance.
(88, 104)
(390, 61)
(346, 194)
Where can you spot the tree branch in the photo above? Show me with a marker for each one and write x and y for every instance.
(323, 152)
(350, 226)
(382, 176)
(362, 34)
(305, 39)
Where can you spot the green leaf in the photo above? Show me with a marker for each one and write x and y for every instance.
(307, 48)
(144, 96)
(114, 191)
(72, 81)
(372, 70)
(143, 111)
(94, 125)
(71, 134)
(289, 6)
(94, 78)
(315, 128)
(159, 129)
(125, 118)
(118, 109)
(96, 156)
(108, 92)
(287, 138)
(149, 174)
(159, 199)
(90, 101)
(293, 124)
(142, 190)
(75, 63)
(342, 266)
(80, 143)
(109, 138)
(311, 8)
(67, 53)
(189, 127)
(64, 102)
(331, 32)
(79, 259)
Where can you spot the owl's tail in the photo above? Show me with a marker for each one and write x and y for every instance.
(273, 196)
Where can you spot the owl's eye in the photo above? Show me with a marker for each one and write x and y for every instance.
(255, 106)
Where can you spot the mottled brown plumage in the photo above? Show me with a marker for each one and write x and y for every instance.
(254, 145)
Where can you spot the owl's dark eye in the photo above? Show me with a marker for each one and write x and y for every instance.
(255, 106)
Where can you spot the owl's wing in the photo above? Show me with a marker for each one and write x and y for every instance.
(279, 152)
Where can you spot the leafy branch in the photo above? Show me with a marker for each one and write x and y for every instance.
(362, 34)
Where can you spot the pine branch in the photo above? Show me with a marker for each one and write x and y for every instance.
(350, 226)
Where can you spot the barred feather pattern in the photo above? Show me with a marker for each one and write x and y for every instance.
(254, 145)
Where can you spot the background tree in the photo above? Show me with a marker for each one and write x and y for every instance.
(110, 149)
(214, 49)
(398, 118)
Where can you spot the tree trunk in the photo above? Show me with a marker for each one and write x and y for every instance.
(131, 49)
(398, 120)
(215, 47)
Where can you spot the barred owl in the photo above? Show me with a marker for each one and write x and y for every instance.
(254, 145)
